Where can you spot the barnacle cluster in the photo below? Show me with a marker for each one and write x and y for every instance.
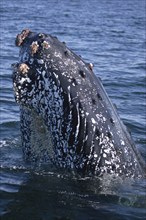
(34, 47)
(21, 37)
(23, 68)
(45, 45)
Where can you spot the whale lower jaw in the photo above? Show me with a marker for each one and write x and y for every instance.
(39, 146)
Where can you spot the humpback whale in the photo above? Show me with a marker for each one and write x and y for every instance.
(66, 115)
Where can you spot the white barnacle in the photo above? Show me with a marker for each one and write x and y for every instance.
(68, 88)
(28, 80)
(98, 116)
(102, 135)
(94, 128)
(93, 121)
(104, 119)
(107, 162)
(107, 150)
(56, 76)
(111, 145)
(22, 81)
(122, 142)
(57, 54)
(104, 155)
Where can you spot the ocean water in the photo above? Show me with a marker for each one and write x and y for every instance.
(110, 34)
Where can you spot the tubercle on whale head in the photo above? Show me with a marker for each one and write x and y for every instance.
(23, 68)
(91, 66)
(34, 47)
(24, 78)
(21, 37)
(45, 45)
(20, 68)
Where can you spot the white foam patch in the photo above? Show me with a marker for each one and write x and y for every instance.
(2, 143)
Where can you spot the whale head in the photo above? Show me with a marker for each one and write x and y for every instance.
(64, 107)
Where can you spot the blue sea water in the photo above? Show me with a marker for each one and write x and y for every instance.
(110, 34)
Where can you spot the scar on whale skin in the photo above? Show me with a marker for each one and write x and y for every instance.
(80, 127)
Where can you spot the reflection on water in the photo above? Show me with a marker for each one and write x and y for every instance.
(36, 191)
(41, 193)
